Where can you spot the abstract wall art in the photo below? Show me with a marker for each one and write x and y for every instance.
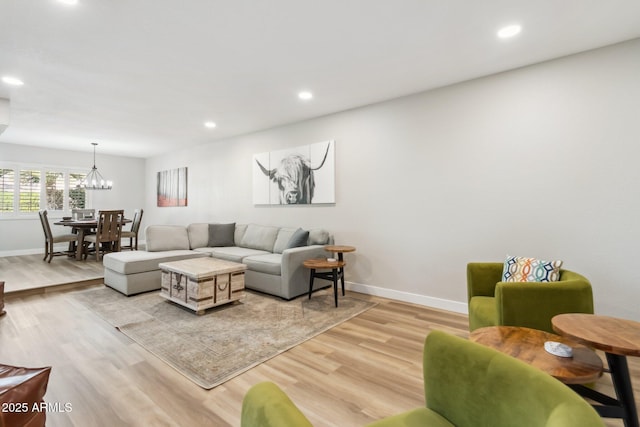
(172, 187)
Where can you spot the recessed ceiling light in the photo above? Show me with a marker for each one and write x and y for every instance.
(209, 125)
(68, 2)
(305, 95)
(509, 31)
(13, 81)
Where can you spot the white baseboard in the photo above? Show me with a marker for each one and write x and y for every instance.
(443, 304)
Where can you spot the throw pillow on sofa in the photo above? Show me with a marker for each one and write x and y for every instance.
(282, 239)
(222, 234)
(318, 237)
(522, 269)
(298, 239)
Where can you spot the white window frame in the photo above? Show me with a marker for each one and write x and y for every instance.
(43, 169)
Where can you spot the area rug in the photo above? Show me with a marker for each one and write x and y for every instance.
(224, 342)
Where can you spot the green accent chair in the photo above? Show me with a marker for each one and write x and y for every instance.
(466, 385)
(529, 304)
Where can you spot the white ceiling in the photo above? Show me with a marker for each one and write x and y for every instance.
(140, 77)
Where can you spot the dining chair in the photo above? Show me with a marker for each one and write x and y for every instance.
(132, 234)
(50, 239)
(108, 234)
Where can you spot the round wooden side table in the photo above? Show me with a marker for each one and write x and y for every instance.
(618, 338)
(340, 250)
(337, 271)
(527, 345)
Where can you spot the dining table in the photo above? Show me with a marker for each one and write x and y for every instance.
(82, 227)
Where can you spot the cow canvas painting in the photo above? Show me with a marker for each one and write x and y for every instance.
(296, 176)
(172, 187)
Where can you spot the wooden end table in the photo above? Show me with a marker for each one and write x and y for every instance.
(340, 250)
(528, 345)
(337, 272)
(618, 338)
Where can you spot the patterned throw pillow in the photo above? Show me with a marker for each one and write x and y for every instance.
(521, 269)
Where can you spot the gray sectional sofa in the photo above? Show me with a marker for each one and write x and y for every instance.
(274, 266)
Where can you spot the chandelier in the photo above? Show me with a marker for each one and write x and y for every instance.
(94, 180)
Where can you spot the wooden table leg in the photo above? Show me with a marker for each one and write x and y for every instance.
(80, 248)
(341, 258)
(313, 274)
(2, 312)
(622, 384)
(624, 406)
(335, 284)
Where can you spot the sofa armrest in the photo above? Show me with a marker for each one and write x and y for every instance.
(292, 259)
(482, 278)
(533, 304)
(266, 405)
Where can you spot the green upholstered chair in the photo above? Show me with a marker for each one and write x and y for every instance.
(531, 304)
(466, 385)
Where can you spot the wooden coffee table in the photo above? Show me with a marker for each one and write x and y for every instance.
(336, 273)
(201, 283)
(528, 345)
(618, 338)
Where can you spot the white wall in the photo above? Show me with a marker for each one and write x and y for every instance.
(540, 161)
(24, 235)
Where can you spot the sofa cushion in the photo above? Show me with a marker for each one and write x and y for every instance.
(318, 237)
(261, 237)
(269, 263)
(166, 238)
(231, 253)
(140, 261)
(522, 269)
(298, 239)
(222, 234)
(284, 235)
(135, 283)
(198, 235)
(239, 234)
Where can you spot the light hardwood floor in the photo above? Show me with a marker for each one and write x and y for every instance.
(31, 272)
(364, 369)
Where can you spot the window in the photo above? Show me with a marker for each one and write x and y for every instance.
(26, 190)
(29, 191)
(77, 195)
(54, 188)
(7, 178)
